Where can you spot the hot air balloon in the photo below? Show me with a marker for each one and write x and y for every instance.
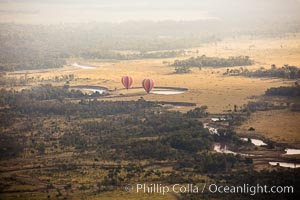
(148, 84)
(127, 81)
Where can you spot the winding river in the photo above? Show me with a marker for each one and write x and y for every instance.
(285, 164)
(292, 151)
(82, 66)
(89, 89)
(256, 142)
(222, 148)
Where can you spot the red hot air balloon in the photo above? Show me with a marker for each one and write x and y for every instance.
(127, 81)
(148, 84)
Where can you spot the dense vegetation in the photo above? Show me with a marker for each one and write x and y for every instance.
(60, 143)
(198, 112)
(291, 92)
(53, 100)
(205, 61)
(284, 91)
(253, 178)
(182, 69)
(47, 46)
(44, 124)
(130, 56)
(43, 92)
(116, 128)
(28, 79)
(286, 71)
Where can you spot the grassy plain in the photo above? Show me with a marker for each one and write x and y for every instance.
(119, 195)
(281, 126)
(207, 86)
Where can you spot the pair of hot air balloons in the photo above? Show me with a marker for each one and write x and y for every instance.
(147, 84)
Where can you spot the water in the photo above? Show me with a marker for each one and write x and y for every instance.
(211, 130)
(167, 91)
(223, 149)
(82, 66)
(218, 119)
(256, 142)
(89, 89)
(285, 164)
(292, 151)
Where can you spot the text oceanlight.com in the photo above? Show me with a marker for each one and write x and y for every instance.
(209, 188)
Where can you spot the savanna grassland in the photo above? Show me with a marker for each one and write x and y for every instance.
(209, 86)
(206, 86)
(59, 143)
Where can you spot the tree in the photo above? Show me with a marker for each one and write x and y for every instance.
(182, 69)
(235, 108)
(41, 148)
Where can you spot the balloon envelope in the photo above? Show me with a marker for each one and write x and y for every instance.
(127, 81)
(148, 85)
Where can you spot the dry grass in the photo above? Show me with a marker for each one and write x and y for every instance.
(280, 126)
(207, 87)
(118, 195)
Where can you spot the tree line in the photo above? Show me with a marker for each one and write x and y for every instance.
(206, 61)
(287, 91)
(108, 125)
(286, 71)
(25, 47)
(101, 54)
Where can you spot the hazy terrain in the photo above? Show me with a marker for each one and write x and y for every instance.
(226, 80)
